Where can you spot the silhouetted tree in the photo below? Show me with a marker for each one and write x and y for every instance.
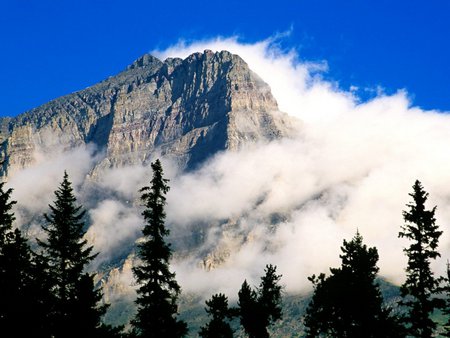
(158, 291)
(15, 271)
(75, 310)
(89, 312)
(22, 313)
(270, 296)
(420, 286)
(248, 309)
(348, 303)
(218, 326)
(261, 308)
(445, 289)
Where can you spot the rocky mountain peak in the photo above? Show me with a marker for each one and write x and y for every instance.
(185, 109)
(145, 60)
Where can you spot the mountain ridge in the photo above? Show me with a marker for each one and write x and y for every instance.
(186, 109)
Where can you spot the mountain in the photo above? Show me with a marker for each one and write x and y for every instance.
(186, 110)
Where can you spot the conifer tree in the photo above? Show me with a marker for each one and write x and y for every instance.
(218, 326)
(446, 308)
(248, 310)
(17, 300)
(158, 291)
(23, 291)
(270, 296)
(348, 303)
(261, 308)
(420, 287)
(75, 311)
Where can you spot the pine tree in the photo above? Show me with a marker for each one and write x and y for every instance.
(218, 326)
(18, 297)
(261, 308)
(248, 310)
(270, 296)
(158, 291)
(89, 313)
(348, 303)
(420, 286)
(75, 310)
(446, 308)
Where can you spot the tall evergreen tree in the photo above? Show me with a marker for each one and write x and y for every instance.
(23, 293)
(348, 303)
(75, 311)
(16, 299)
(445, 289)
(261, 308)
(270, 296)
(218, 326)
(158, 291)
(418, 291)
(248, 310)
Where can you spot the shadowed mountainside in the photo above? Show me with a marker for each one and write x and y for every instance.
(186, 110)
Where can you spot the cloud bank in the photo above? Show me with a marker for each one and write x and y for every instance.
(290, 202)
(351, 167)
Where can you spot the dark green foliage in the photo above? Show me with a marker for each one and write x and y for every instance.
(270, 296)
(445, 289)
(158, 291)
(260, 309)
(75, 311)
(348, 303)
(248, 310)
(420, 286)
(18, 285)
(6, 216)
(218, 326)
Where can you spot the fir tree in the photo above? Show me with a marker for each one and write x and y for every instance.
(218, 326)
(261, 308)
(11, 279)
(75, 310)
(89, 312)
(446, 308)
(348, 303)
(158, 291)
(18, 285)
(248, 310)
(420, 286)
(270, 296)
(24, 287)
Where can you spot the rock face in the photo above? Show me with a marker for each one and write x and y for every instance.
(184, 109)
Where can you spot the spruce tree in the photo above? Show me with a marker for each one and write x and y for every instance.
(248, 310)
(218, 326)
(158, 290)
(348, 303)
(261, 308)
(270, 296)
(420, 287)
(445, 289)
(75, 311)
(17, 298)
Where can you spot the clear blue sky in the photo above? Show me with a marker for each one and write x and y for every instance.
(50, 48)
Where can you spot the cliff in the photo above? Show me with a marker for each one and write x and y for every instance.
(185, 109)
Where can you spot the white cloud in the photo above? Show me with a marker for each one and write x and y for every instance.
(34, 185)
(114, 229)
(351, 167)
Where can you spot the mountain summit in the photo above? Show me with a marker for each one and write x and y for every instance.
(185, 109)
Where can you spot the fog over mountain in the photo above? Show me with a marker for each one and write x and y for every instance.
(250, 185)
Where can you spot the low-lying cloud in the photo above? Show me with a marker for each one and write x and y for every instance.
(290, 202)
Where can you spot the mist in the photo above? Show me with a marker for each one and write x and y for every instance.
(290, 202)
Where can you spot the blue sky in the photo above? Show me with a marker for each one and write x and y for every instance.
(51, 48)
